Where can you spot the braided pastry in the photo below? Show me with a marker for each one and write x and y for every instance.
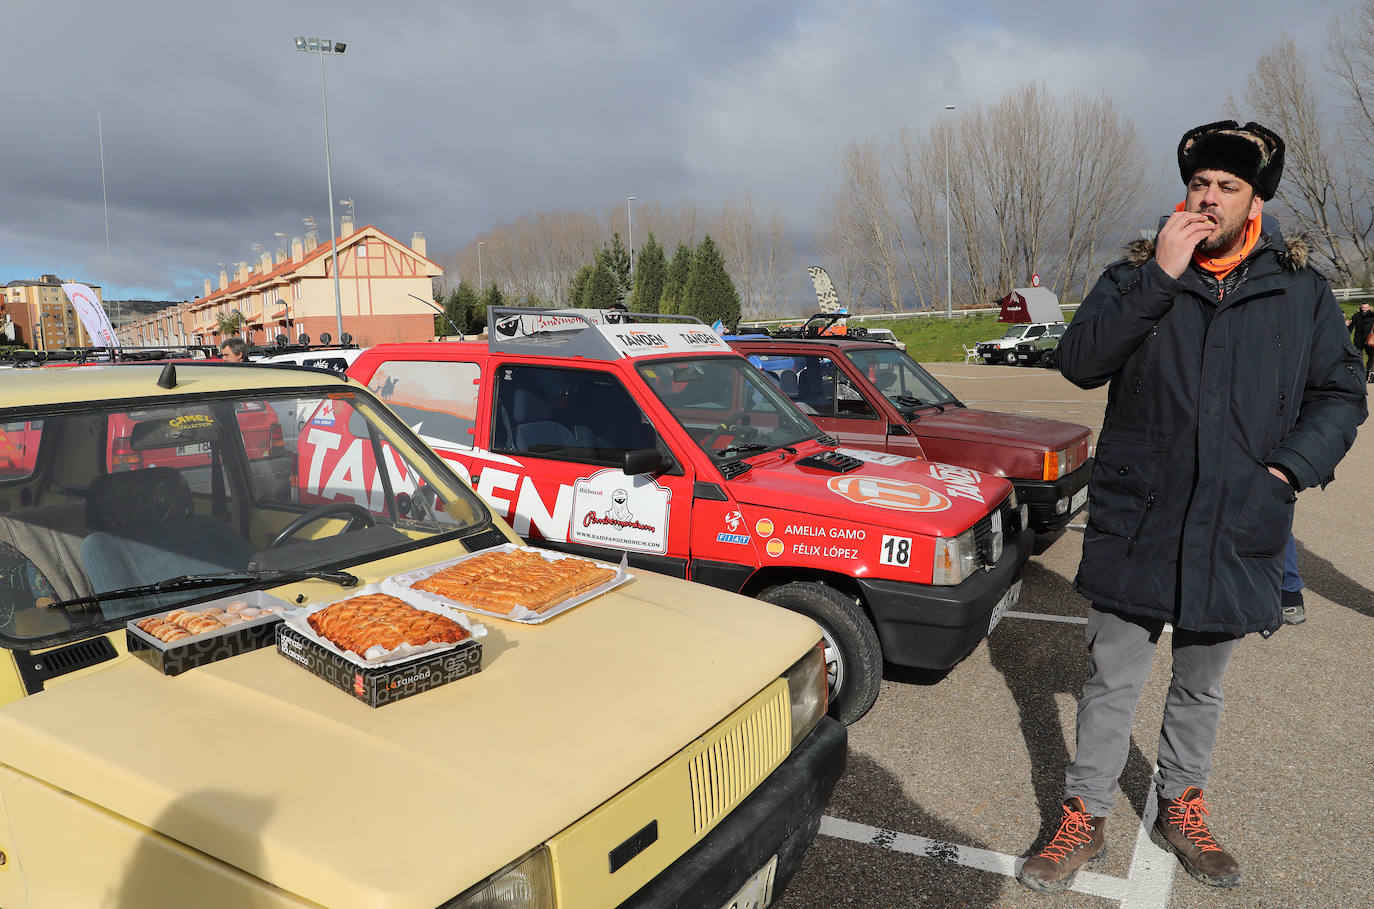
(501, 581)
(378, 620)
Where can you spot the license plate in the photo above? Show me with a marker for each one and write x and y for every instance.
(1008, 600)
(198, 448)
(1079, 499)
(757, 892)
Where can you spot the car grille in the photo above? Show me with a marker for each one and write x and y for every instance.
(743, 753)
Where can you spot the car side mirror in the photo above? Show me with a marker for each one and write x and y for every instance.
(644, 460)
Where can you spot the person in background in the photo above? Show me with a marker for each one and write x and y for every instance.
(1360, 325)
(1233, 386)
(234, 350)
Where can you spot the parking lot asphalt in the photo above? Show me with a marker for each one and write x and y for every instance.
(952, 778)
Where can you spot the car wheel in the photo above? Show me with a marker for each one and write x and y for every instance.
(1050, 360)
(853, 657)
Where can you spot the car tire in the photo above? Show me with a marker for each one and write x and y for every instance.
(1050, 360)
(854, 658)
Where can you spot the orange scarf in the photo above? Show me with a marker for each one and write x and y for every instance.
(1222, 267)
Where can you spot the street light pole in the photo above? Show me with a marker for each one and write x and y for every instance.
(480, 244)
(949, 250)
(629, 219)
(320, 47)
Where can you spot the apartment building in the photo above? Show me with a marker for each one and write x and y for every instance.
(38, 314)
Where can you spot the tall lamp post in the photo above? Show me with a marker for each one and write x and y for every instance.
(480, 286)
(949, 249)
(323, 47)
(630, 221)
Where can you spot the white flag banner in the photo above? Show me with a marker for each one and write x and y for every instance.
(93, 315)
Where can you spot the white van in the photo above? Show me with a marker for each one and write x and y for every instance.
(337, 359)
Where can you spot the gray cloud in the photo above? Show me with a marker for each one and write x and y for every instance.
(449, 117)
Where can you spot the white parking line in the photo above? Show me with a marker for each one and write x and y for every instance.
(1147, 885)
(1072, 619)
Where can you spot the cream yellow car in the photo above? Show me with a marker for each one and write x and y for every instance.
(661, 744)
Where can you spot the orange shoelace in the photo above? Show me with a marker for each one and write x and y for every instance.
(1189, 817)
(1074, 831)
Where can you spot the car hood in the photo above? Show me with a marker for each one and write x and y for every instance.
(888, 490)
(994, 428)
(256, 762)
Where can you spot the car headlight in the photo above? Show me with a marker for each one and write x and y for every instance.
(955, 559)
(526, 883)
(809, 690)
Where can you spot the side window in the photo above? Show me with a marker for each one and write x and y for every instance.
(19, 449)
(1035, 331)
(438, 399)
(578, 415)
(822, 389)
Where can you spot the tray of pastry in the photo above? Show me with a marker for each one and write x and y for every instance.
(376, 627)
(517, 583)
(189, 636)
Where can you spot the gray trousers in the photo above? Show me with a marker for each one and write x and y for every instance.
(1120, 652)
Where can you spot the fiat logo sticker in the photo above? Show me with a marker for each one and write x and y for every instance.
(883, 492)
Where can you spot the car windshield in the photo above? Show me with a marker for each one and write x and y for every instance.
(1016, 331)
(204, 496)
(901, 379)
(727, 406)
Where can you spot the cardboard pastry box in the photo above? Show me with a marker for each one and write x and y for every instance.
(178, 656)
(383, 684)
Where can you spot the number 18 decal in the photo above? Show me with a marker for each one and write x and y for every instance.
(895, 551)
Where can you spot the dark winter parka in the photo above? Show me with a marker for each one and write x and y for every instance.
(1209, 384)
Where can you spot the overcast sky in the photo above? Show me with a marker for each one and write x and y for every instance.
(450, 117)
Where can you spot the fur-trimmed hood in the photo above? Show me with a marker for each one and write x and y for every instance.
(1293, 254)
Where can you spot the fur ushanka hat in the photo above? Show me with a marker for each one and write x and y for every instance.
(1251, 152)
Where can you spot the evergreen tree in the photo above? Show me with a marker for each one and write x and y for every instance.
(578, 288)
(459, 307)
(649, 277)
(675, 280)
(618, 259)
(602, 289)
(492, 297)
(710, 294)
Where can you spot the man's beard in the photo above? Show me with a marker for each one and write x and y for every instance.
(1221, 238)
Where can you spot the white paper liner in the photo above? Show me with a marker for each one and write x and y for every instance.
(298, 619)
(399, 584)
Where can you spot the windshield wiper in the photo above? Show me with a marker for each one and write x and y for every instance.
(197, 581)
(743, 446)
(909, 401)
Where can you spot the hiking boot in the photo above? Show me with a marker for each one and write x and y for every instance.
(1294, 613)
(1181, 828)
(1078, 842)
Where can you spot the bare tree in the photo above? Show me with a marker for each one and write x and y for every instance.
(758, 253)
(1324, 198)
(1037, 184)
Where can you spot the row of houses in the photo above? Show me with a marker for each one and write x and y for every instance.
(382, 289)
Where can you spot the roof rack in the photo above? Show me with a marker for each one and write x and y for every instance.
(820, 325)
(78, 355)
(597, 334)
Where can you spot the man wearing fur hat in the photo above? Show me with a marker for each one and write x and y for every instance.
(1233, 386)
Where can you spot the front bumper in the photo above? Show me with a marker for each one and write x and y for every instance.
(780, 818)
(1041, 498)
(930, 627)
